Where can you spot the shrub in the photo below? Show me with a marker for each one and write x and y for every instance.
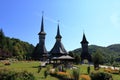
(56, 70)
(6, 63)
(85, 77)
(64, 69)
(24, 76)
(49, 67)
(45, 73)
(61, 75)
(39, 69)
(64, 75)
(100, 76)
(6, 74)
(76, 74)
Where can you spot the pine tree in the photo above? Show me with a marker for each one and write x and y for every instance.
(97, 59)
(2, 39)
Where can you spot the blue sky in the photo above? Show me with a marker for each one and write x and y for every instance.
(99, 19)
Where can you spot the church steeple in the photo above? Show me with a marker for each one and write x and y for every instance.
(40, 52)
(85, 54)
(58, 36)
(42, 28)
(84, 40)
(42, 25)
(58, 49)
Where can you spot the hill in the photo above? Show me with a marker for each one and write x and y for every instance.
(12, 47)
(110, 53)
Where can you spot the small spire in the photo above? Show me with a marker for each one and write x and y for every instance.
(83, 31)
(84, 40)
(58, 33)
(42, 13)
(42, 25)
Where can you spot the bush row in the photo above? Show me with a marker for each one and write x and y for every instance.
(100, 76)
(6, 74)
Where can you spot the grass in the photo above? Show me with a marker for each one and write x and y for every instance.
(32, 66)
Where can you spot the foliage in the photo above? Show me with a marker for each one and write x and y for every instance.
(110, 53)
(45, 73)
(88, 69)
(56, 70)
(39, 69)
(32, 67)
(100, 76)
(97, 59)
(11, 47)
(49, 67)
(61, 75)
(64, 75)
(85, 77)
(76, 74)
(6, 74)
(76, 57)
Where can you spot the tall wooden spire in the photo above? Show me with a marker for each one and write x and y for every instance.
(58, 48)
(42, 28)
(58, 36)
(40, 51)
(85, 54)
(84, 40)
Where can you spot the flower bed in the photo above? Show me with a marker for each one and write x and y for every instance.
(113, 71)
(61, 75)
(85, 77)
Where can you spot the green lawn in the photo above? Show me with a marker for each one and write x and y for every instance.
(32, 66)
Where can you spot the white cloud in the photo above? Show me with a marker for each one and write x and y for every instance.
(115, 19)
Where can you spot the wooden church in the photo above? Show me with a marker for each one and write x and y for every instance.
(40, 52)
(58, 51)
(85, 53)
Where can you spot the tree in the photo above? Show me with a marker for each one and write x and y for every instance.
(97, 59)
(71, 54)
(12, 47)
(77, 59)
(2, 39)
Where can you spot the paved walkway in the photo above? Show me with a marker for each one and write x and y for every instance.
(103, 66)
(43, 64)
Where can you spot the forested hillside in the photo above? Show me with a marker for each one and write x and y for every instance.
(110, 54)
(14, 48)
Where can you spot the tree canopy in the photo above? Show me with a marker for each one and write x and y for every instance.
(12, 47)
